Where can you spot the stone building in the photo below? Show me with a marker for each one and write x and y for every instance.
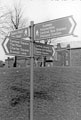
(67, 56)
(62, 56)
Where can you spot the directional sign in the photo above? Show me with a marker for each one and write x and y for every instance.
(17, 47)
(54, 28)
(20, 33)
(41, 49)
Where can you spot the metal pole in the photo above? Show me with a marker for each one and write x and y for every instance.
(31, 69)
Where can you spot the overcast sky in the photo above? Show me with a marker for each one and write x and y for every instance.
(46, 10)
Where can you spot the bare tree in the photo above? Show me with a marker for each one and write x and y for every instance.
(3, 26)
(15, 19)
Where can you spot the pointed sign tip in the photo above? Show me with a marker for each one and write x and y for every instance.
(4, 45)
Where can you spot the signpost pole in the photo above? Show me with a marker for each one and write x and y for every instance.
(31, 70)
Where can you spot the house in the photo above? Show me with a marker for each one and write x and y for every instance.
(62, 56)
(67, 56)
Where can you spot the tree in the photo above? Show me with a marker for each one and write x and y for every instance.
(15, 20)
(3, 27)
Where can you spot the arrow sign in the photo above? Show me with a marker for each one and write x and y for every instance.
(17, 47)
(20, 33)
(4, 45)
(54, 28)
(41, 49)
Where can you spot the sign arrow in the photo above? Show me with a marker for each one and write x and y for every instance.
(73, 25)
(4, 44)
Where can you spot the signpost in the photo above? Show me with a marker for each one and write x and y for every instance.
(41, 49)
(31, 70)
(18, 47)
(54, 28)
(20, 33)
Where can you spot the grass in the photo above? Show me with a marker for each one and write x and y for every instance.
(57, 93)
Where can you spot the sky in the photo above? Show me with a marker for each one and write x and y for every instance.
(46, 10)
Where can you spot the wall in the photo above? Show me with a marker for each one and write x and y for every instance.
(62, 57)
(76, 57)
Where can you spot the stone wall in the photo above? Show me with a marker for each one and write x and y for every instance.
(76, 57)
